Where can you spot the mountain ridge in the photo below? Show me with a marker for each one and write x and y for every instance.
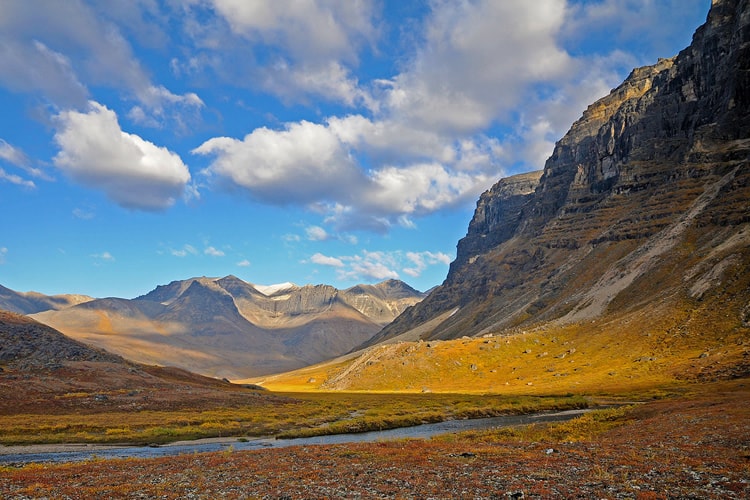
(227, 328)
(657, 167)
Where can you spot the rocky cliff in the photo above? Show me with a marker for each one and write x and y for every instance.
(643, 203)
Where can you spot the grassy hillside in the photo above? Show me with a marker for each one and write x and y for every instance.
(655, 348)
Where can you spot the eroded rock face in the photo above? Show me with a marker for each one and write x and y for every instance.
(496, 217)
(658, 167)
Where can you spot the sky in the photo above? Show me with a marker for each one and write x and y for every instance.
(306, 141)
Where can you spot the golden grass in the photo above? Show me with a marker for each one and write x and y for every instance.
(645, 353)
(305, 414)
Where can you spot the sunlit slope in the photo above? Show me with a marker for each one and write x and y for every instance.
(226, 327)
(666, 343)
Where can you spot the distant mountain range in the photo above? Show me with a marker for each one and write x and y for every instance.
(33, 302)
(224, 327)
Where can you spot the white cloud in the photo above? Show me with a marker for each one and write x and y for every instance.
(316, 233)
(370, 266)
(103, 257)
(316, 165)
(12, 154)
(131, 171)
(60, 49)
(292, 50)
(421, 260)
(18, 159)
(16, 179)
(421, 189)
(325, 260)
(162, 106)
(3, 253)
(243, 263)
(31, 66)
(313, 30)
(184, 251)
(213, 252)
(330, 81)
(83, 214)
(476, 61)
(301, 164)
(291, 238)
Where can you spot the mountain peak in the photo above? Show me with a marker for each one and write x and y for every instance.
(643, 199)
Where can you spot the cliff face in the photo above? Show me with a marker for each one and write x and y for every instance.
(648, 191)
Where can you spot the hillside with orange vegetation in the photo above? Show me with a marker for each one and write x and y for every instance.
(43, 372)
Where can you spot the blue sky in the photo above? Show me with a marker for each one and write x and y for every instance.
(338, 142)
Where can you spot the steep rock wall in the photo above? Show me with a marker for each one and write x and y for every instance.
(657, 166)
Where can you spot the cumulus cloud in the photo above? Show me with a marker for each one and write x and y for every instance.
(131, 171)
(243, 263)
(423, 147)
(301, 164)
(317, 165)
(476, 61)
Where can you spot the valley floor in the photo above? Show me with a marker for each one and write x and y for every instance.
(696, 446)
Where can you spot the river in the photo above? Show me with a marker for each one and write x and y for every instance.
(80, 452)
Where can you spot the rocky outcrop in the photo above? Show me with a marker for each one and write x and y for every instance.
(645, 184)
(496, 217)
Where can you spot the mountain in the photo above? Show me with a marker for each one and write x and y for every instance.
(45, 372)
(33, 302)
(226, 327)
(641, 216)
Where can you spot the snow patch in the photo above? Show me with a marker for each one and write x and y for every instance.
(268, 290)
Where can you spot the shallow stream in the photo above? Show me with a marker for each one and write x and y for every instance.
(80, 452)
